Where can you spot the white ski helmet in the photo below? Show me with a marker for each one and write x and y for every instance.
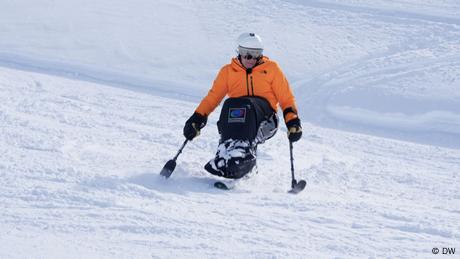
(251, 41)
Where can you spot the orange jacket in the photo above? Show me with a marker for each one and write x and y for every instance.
(266, 80)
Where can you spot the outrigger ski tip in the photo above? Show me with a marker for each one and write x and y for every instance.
(169, 167)
(298, 186)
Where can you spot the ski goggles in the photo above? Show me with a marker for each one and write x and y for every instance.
(250, 53)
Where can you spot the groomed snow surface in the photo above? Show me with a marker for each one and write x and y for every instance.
(79, 178)
(94, 95)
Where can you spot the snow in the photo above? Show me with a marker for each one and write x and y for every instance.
(405, 51)
(94, 95)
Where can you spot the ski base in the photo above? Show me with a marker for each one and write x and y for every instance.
(222, 186)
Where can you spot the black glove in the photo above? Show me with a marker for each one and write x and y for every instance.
(294, 130)
(193, 125)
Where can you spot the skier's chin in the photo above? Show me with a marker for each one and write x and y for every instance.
(248, 64)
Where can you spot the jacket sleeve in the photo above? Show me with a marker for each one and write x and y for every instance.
(283, 93)
(215, 95)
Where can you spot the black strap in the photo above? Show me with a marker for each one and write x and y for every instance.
(288, 110)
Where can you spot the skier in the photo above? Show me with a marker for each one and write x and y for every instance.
(255, 86)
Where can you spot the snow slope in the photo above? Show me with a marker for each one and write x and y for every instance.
(94, 95)
(387, 68)
(79, 178)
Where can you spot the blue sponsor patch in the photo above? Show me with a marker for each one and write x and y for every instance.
(237, 115)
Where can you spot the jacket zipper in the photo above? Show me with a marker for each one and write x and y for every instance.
(252, 86)
(247, 82)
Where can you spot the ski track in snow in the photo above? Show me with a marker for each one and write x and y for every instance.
(79, 177)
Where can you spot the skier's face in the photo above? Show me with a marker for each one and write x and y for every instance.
(248, 63)
(249, 57)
